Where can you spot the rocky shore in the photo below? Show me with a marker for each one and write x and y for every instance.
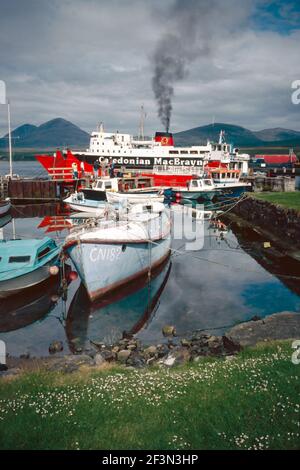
(131, 353)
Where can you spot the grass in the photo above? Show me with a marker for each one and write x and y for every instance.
(289, 200)
(250, 402)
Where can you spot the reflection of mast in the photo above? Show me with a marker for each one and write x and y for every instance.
(13, 229)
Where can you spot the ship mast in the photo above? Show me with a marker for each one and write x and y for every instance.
(142, 123)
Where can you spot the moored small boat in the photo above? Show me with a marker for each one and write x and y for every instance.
(78, 202)
(228, 182)
(112, 253)
(135, 196)
(197, 188)
(26, 263)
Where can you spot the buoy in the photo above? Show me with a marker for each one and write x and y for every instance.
(73, 276)
(54, 270)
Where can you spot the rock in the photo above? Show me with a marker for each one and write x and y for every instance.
(169, 361)
(150, 351)
(108, 355)
(255, 318)
(132, 346)
(55, 347)
(185, 343)
(123, 355)
(231, 346)
(283, 325)
(169, 330)
(136, 360)
(229, 358)
(176, 357)
(99, 359)
(215, 345)
(127, 335)
(162, 350)
(70, 363)
(3, 367)
(98, 344)
(25, 356)
(115, 349)
(10, 372)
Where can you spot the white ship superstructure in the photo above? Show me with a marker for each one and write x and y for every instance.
(145, 154)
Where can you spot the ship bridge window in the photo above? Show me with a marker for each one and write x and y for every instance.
(43, 252)
(184, 151)
(207, 182)
(194, 152)
(107, 185)
(219, 147)
(19, 259)
(173, 152)
(194, 183)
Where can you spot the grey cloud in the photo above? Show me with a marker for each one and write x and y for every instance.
(88, 60)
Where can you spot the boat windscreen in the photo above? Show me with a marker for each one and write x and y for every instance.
(19, 259)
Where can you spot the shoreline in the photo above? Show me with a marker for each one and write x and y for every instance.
(131, 353)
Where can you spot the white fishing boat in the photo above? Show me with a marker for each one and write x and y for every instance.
(110, 253)
(78, 202)
(196, 189)
(135, 197)
(5, 206)
(228, 182)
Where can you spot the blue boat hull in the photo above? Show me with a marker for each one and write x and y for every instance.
(104, 267)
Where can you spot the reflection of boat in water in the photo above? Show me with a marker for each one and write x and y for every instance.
(5, 219)
(127, 310)
(5, 206)
(23, 310)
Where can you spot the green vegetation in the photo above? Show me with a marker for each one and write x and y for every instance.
(290, 200)
(251, 401)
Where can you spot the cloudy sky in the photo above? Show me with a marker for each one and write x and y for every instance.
(92, 60)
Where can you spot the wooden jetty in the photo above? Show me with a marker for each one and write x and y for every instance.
(36, 191)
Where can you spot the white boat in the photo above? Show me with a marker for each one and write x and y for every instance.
(228, 182)
(134, 197)
(110, 253)
(78, 202)
(197, 188)
(5, 206)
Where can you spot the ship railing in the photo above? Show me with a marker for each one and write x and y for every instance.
(177, 170)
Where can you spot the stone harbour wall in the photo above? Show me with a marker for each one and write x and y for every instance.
(283, 223)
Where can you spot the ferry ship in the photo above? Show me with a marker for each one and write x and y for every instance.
(157, 157)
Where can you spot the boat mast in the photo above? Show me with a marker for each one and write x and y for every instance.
(9, 140)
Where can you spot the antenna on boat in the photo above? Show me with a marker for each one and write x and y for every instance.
(142, 123)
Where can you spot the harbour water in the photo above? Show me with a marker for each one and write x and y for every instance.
(229, 280)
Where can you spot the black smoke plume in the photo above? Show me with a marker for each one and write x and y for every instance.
(186, 38)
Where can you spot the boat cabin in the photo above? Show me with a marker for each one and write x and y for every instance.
(17, 256)
(200, 184)
(224, 175)
(123, 184)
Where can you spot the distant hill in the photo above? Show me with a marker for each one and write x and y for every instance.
(55, 133)
(61, 133)
(238, 136)
(277, 135)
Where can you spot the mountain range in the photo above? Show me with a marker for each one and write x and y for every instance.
(61, 133)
